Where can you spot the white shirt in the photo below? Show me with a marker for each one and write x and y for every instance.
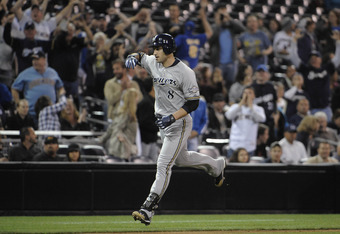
(44, 28)
(292, 153)
(244, 126)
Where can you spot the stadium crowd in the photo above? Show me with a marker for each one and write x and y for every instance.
(269, 83)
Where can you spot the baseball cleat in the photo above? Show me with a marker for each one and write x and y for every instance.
(144, 216)
(220, 179)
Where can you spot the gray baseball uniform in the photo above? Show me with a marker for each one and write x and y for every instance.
(173, 86)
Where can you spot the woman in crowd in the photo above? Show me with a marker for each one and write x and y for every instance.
(119, 139)
(306, 129)
(243, 79)
(240, 156)
(71, 120)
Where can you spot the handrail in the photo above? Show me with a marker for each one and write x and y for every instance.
(53, 133)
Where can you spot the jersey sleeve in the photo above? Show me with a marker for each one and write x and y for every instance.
(190, 86)
(146, 61)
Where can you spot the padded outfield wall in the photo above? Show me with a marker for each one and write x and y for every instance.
(99, 188)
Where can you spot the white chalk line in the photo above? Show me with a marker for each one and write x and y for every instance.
(180, 221)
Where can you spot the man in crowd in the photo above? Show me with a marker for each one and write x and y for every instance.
(50, 149)
(27, 147)
(115, 87)
(293, 151)
(323, 155)
(37, 81)
(245, 117)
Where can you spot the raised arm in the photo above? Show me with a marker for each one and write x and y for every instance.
(66, 11)
(205, 22)
(17, 9)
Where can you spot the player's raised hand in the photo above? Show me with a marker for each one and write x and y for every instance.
(165, 121)
(131, 61)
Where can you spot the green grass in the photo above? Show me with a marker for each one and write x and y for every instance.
(74, 224)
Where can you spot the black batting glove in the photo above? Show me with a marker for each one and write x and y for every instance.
(165, 121)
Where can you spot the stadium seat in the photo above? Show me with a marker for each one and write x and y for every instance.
(256, 159)
(141, 159)
(62, 149)
(210, 150)
(93, 150)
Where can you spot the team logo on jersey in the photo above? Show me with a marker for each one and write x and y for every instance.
(193, 89)
(165, 81)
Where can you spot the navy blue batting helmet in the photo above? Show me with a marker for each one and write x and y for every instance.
(166, 41)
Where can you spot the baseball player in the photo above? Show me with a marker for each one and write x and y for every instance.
(176, 95)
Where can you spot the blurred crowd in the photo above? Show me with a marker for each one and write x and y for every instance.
(269, 84)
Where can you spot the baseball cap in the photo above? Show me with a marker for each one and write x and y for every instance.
(73, 147)
(262, 67)
(38, 54)
(29, 25)
(315, 53)
(290, 128)
(51, 140)
(190, 25)
(218, 97)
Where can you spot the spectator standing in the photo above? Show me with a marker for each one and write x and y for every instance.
(174, 25)
(255, 44)
(27, 147)
(49, 152)
(48, 113)
(265, 96)
(317, 77)
(323, 155)
(36, 81)
(95, 65)
(146, 121)
(245, 117)
(210, 81)
(293, 151)
(65, 55)
(217, 122)
(6, 55)
(142, 23)
(283, 40)
(294, 94)
(274, 26)
(43, 27)
(21, 118)
(288, 76)
(223, 44)
(308, 42)
(115, 87)
(324, 31)
(24, 48)
(189, 44)
(119, 139)
(244, 78)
